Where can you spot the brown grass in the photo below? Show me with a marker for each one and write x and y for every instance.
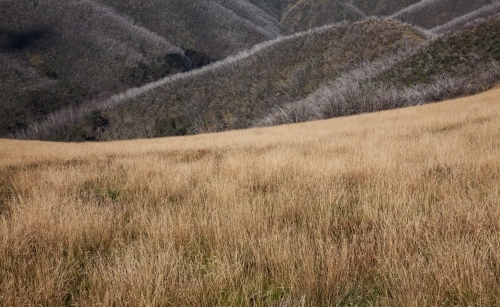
(398, 208)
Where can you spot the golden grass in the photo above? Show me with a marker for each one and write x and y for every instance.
(398, 208)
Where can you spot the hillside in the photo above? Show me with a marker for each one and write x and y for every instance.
(307, 14)
(433, 13)
(66, 63)
(397, 208)
(302, 15)
(218, 28)
(59, 53)
(235, 92)
(459, 63)
(351, 69)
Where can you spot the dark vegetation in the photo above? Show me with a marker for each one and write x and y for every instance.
(18, 41)
(63, 60)
(171, 127)
(90, 129)
(454, 55)
(457, 64)
(435, 13)
(216, 27)
(36, 104)
(234, 93)
(163, 66)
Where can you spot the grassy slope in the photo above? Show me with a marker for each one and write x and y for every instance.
(398, 208)
(57, 53)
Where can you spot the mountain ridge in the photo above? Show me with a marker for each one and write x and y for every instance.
(267, 53)
(49, 87)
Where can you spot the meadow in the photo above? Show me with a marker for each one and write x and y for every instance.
(394, 208)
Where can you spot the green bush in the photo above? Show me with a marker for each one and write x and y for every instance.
(90, 129)
(163, 66)
(171, 127)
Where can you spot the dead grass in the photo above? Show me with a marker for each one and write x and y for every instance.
(397, 208)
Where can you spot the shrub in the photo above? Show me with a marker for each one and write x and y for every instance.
(171, 127)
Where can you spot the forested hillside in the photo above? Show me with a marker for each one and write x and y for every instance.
(433, 13)
(59, 53)
(235, 92)
(216, 27)
(63, 62)
(456, 64)
(306, 14)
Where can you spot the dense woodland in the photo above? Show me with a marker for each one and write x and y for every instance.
(107, 69)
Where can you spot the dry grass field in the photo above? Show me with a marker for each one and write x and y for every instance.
(397, 208)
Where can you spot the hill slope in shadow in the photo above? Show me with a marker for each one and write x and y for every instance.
(235, 92)
(57, 53)
(433, 13)
(216, 27)
(300, 15)
(69, 57)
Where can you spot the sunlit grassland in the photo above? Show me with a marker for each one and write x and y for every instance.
(398, 208)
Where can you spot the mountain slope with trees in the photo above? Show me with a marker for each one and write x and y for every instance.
(300, 15)
(456, 64)
(59, 53)
(235, 92)
(56, 54)
(433, 13)
(107, 69)
(216, 27)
